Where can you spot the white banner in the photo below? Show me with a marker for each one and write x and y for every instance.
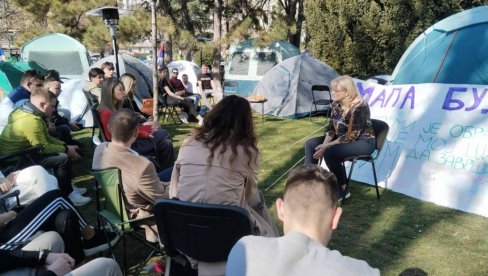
(437, 147)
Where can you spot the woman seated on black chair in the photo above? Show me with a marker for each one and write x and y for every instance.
(349, 132)
(152, 140)
(167, 92)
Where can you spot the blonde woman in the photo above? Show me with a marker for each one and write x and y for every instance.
(130, 84)
(349, 132)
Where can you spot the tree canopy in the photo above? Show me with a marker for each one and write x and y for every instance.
(365, 37)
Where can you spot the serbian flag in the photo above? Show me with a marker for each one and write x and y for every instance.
(161, 50)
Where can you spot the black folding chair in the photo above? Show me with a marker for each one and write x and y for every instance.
(18, 159)
(327, 101)
(235, 88)
(204, 232)
(167, 110)
(381, 132)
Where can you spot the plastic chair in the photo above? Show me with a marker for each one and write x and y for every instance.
(381, 132)
(327, 101)
(204, 232)
(114, 213)
(231, 84)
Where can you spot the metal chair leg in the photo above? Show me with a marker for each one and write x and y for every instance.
(375, 180)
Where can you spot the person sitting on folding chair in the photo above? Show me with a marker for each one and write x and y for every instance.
(96, 76)
(310, 214)
(205, 88)
(130, 85)
(142, 185)
(180, 87)
(27, 128)
(45, 255)
(219, 164)
(32, 182)
(54, 212)
(167, 93)
(151, 140)
(349, 132)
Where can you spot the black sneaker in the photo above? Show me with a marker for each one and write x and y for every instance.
(99, 242)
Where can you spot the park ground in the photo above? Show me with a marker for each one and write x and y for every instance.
(395, 234)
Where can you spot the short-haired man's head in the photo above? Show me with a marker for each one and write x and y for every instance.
(123, 124)
(108, 65)
(41, 94)
(310, 190)
(31, 76)
(95, 72)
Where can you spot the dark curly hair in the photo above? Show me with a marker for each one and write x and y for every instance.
(229, 124)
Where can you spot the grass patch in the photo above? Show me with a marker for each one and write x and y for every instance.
(393, 234)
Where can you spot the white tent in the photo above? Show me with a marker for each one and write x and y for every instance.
(287, 86)
(186, 67)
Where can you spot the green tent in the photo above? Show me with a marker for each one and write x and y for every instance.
(59, 52)
(11, 73)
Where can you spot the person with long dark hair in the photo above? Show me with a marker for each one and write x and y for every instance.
(219, 163)
(349, 132)
(113, 95)
(168, 94)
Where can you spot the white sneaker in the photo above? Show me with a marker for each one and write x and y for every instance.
(78, 200)
(183, 118)
(80, 190)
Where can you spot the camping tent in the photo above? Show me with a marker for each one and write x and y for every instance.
(134, 66)
(454, 50)
(186, 67)
(59, 52)
(247, 64)
(11, 73)
(73, 99)
(287, 86)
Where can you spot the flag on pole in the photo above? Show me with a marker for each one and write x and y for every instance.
(161, 55)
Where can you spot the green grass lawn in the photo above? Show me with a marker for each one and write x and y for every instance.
(393, 234)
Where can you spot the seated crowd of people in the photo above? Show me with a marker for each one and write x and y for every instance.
(217, 164)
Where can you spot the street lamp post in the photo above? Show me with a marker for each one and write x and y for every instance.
(111, 19)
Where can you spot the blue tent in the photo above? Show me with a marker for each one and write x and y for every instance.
(246, 64)
(454, 51)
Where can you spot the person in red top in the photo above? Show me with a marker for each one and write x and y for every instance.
(113, 95)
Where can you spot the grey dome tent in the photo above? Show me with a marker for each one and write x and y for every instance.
(287, 86)
(127, 64)
(134, 66)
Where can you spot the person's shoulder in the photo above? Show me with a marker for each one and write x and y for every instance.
(348, 265)
(253, 244)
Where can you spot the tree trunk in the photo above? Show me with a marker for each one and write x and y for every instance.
(298, 20)
(217, 30)
(154, 32)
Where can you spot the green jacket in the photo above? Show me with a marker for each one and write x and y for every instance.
(27, 128)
